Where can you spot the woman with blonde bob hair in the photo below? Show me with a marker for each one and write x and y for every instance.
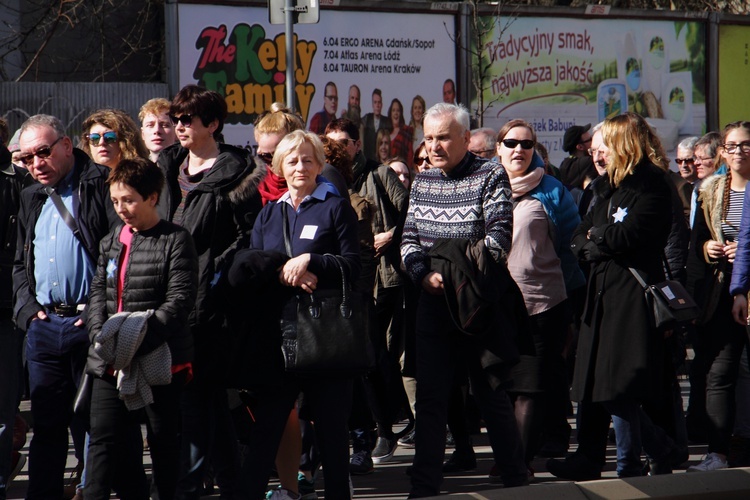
(619, 352)
(321, 227)
(111, 135)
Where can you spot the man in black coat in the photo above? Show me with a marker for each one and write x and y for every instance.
(52, 273)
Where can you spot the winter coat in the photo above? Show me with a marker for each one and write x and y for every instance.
(385, 218)
(93, 211)
(12, 181)
(619, 351)
(708, 278)
(218, 213)
(162, 274)
(741, 269)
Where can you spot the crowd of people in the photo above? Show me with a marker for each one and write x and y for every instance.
(148, 272)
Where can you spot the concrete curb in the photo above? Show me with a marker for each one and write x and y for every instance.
(715, 485)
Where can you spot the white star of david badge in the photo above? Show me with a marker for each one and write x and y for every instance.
(620, 215)
(111, 268)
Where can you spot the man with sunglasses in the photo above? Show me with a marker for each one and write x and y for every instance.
(462, 200)
(52, 274)
(330, 104)
(482, 142)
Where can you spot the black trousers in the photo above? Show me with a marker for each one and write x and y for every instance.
(115, 457)
(441, 351)
(328, 401)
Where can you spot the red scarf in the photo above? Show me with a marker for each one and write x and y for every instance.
(272, 187)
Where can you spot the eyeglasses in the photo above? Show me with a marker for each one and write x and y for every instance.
(586, 141)
(42, 153)
(702, 159)
(512, 143)
(332, 97)
(109, 138)
(593, 151)
(482, 151)
(266, 158)
(680, 161)
(423, 159)
(732, 148)
(186, 120)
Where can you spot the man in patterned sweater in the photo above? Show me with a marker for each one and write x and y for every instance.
(462, 196)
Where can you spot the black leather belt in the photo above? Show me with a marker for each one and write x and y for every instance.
(63, 310)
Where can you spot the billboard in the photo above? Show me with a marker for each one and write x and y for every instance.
(559, 72)
(734, 73)
(235, 51)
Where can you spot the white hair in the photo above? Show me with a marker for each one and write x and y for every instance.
(456, 111)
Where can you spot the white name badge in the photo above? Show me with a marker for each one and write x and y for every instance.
(308, 233)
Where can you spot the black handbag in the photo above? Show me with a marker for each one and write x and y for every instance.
(327, 331)
(669, 301)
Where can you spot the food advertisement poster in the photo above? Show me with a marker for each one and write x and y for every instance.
(558, 72)
(236, 52)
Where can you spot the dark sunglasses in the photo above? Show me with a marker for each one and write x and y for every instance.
(109, 138)
(267, 158)
(43, 152)
(680, 161)
(186, 120)
(512, 143)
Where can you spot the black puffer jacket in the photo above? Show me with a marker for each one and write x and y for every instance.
(93, 211)
(162, 274)
(218, 213)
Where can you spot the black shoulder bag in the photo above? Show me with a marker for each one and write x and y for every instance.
(329, 332)
(669, 301)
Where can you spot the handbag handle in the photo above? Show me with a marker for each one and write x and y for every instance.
(314, 308)
(344, 308)
(287, 239)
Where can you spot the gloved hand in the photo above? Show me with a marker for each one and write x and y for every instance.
(590, 252)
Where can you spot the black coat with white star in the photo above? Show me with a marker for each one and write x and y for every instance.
(619, 352)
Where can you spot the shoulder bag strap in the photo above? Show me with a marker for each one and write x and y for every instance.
(68, 218)
(639, 278)
(287, 239)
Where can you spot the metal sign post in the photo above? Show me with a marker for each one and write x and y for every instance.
(288, 13)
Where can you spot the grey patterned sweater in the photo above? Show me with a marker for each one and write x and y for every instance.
(473, 201)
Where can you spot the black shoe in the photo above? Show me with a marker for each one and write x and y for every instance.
(552, 449)
(407, 441)
(384, 449)
(575, 467)
(460, 462)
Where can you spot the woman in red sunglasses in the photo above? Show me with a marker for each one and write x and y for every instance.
(111, 135)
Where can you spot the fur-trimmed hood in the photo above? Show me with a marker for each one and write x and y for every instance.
(711, 194)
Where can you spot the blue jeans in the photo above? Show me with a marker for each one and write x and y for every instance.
(626, 420)
(10, 369)
(56, 353)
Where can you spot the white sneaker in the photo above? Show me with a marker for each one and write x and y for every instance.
(712, 462)
(281, 494)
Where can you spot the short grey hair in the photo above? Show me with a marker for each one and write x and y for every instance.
(688, 143)
(711, 142)
(490, 136)
(43, 121)
(456, 111)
